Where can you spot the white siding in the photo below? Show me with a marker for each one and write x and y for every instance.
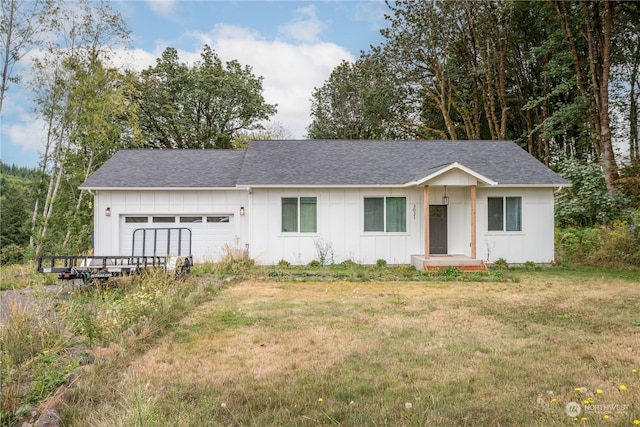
(340, 226)
(206, 241)
(536, 240)
(340, 223)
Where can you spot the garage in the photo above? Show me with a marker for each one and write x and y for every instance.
(204, 235)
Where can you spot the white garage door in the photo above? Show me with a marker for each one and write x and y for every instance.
(208, 236)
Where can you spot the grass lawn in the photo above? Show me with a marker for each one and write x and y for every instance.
(310, 353)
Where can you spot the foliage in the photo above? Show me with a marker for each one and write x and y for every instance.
(23, 24)
(16, 200)
(205, 105)
(587, 202)
(357, 102)
(81, 101)
(614, 245)
(501, 263)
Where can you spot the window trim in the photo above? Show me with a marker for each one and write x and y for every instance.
(298, 216)
(384, 215)
(505, 217)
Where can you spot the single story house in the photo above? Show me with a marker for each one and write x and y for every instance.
(420, 202)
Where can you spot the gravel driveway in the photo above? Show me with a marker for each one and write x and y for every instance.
(37, 299)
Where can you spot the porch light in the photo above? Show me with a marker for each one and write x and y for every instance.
(445, 198)
(107, 212)
(241, 210)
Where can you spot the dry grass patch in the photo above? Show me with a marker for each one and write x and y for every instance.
(343, 353)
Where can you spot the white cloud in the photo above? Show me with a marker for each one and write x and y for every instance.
(162, 7)
(290, 71)
(305, 28)
(28, 133)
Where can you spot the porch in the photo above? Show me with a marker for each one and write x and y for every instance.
(434, 262)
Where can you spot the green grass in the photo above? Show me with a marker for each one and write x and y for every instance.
(397, 353)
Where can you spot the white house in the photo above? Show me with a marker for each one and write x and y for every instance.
(419, 202)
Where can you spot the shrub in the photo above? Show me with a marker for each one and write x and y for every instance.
(284, 263)
(614, 245)
(349, 263)
(587, 202)
(381, 263)
(12, 254)
(501, 263)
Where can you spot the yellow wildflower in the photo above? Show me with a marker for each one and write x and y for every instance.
(622, 387)
(320, 399)
(635, 371)
(584, 419)
(636, 422)
(599, 391)
(606, 417)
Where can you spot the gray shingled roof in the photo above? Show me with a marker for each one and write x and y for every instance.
(389, 162)
(318, 163)
(168, 169)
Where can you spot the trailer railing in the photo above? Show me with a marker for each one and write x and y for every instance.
(104, 267)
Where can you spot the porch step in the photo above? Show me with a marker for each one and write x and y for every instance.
(465, 266)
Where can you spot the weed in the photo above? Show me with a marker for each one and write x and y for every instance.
(324, 251)
(501, 263)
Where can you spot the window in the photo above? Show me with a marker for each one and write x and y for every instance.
(217, 219)
(136, 219)
(505, 213)
(190, 219)
(164, 219)
(299, 213)
(385, 214)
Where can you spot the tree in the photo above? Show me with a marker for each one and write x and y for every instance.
(15, 201)
(592, 20)
(81, 103)
(199, 106)
(21, 23)
(356, 102)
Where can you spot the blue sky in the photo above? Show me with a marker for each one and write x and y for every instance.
(293, 45)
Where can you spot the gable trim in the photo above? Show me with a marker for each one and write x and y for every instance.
(455, 165)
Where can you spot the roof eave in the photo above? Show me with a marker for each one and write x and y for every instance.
(92, 188)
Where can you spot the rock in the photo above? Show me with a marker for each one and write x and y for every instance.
(49, 418)
(62, 396)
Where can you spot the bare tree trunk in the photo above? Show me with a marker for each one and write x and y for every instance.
(79, 203)
(56, 172)
(593, 82)
(43, 173)
(634, 149)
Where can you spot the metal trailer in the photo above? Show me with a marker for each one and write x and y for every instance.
(168, 249)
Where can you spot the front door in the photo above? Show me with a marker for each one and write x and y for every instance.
(438, 229)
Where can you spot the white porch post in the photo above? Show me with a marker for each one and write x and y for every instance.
(473, 221)
(426, 221)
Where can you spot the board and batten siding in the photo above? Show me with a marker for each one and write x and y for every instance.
(534, 243)
(340, 227)
(108, 231)
(340, 223)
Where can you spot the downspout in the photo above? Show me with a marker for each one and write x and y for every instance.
(250, 226)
